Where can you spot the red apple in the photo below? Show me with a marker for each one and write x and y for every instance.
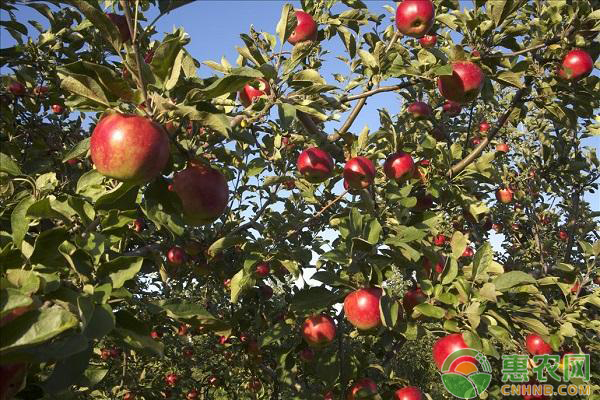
(129, 396)
(502, 148)
(253, 90)
(408, 393)
(289, 185)
(447, 345)
(120, 22)
(149, 56)
(254, 385)
(192, 394)
(57, 109)
(484, 127)
(362, 389)
(17, 88)
(420, 110)
(129, 148)
(176, 255)
(171, 379)
(307, 355)
(306, 29)
(262, 269)
(575, 287)
(415, 17)
(182, 330)
(597, 280)
(576, 64)
(315, 165)
(266, 291)
(328, 395)
(562, 235)
(497, 227)
(138, 225)
(188, 352)
(468, 252)
(451, 108)
(203, 192)
(465, 83)
(399, 166)
(362, 308)
(105, 354)
(428, 41)
(227, 283)
(475, 141)
(424, 202)
(319, 330)
(504, 195)
(536, 345)
(359, 172)
(439, 133)
(440, 240)
(40, 90)
(11, 379)
(213, 381)
(440, 265)
(412, 298)
(156, 335)
(115, 352)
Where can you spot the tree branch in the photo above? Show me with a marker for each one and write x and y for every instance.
(138, 58)
(317, 215)
(382, 89)
(462, 164)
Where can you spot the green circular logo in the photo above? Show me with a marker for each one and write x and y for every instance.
(466, 373)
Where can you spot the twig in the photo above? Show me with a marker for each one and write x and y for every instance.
(317, 215)
(138, 59)
(572, 221)
(355, 111)
(465, 162)
(382, 89)
(392, 41)
(256, 216)
(469, 128)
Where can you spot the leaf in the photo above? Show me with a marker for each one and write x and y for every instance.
(278, 333)
(101, 323)
(224, 243)
(46, 245)
(240, 283)
(313, 299)
(287, 23)
(512, 279)
(458, 244)
(80, 149)
(368, 59)
(482, 260)
(443, 70)
(11, 299)
(27, 281)
(430, 310)
(121, 269)
(167, 60)
(9, 166)
(135, 333)
(92, 12)
(231, 83)
(511, 78)
(166, 6)
(67, 371)
(19, 221)
(389, 311)
(36, 327)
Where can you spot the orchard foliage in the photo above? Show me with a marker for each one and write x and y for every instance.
(168, 285)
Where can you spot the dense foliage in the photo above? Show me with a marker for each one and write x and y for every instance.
(171, 263)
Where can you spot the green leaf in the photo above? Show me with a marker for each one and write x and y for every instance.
(430, 310)
(458, 244)
(46, 245)
(92, 12)
(443, 70)
(12, 299)
(101, 323)
(482, 260)
(26, 280)
(135, 333)
(19, 221)
(167, 60)
(313, 299)
(232, 82)
(36, 327)
(512, 279)
(389, 311)
(9, 166)
(279, 333)
(224, 243)
(68, 371)
(287, 23)
(80, 149)
(240, 283)
(368, 59)
(121, 269)
(511, 78)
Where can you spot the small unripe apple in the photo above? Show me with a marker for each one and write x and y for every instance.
(120, 22)
(17, 88)
(399, 166)
(428, 41)
(484, 127)
(408, 393)
(415, 17)
(452, 108)
(420, 110)
(363, 389)
(359, 172)
(306, 28)
(502, 148)
(465, 83)
(504, 195)
(253, 90)
(362, 308)
(315, 164)
(263, 269)
(576, 64)
(536, 345)
(171, 379)
(176, 255)
(319, 330)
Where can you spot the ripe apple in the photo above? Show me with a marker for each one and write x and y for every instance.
(415, 17)
(408, 393)
(129, 148)
(252, 347)
(420, 110)
(362, 389)
(504, 195)
(359, 172)
(40, 90)
(11, 379)
(307, 355)
(254, 385)
(156, 335)
(120, 22)
(138, 225)
(484, 127)
(192, 394)
(562, 235)
(328, 395)
(319, 330)
(362, 308)
(203, 192)
(17, 88)
(452, 108)
(576, 64)
(440, 240)
(447, 345)
(188, 352)
(502, 148)
(253, 90)
(536, 345)
(129, 396)
(439, 133)
(182, 330)
(428, 41)
(468, 252)
(57, 109)
(176, 255)
(315, 164)
(290, 184)
(575, 287)
(227, 283)
(424, 202)
(475, 141)
(171, 379)
(465, 83)
(497, 227)
(399, 166)
(105, 354)
(440, 265)
(412, 298)
(263, 269)
(306, 28)
(114, 352)
(213, 381)
(597, 280)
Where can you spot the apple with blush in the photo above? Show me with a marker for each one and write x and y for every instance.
(465, 83)
(306, 28)
(415, 18)
(359, 172)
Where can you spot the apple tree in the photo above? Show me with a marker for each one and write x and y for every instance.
(170, 232)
